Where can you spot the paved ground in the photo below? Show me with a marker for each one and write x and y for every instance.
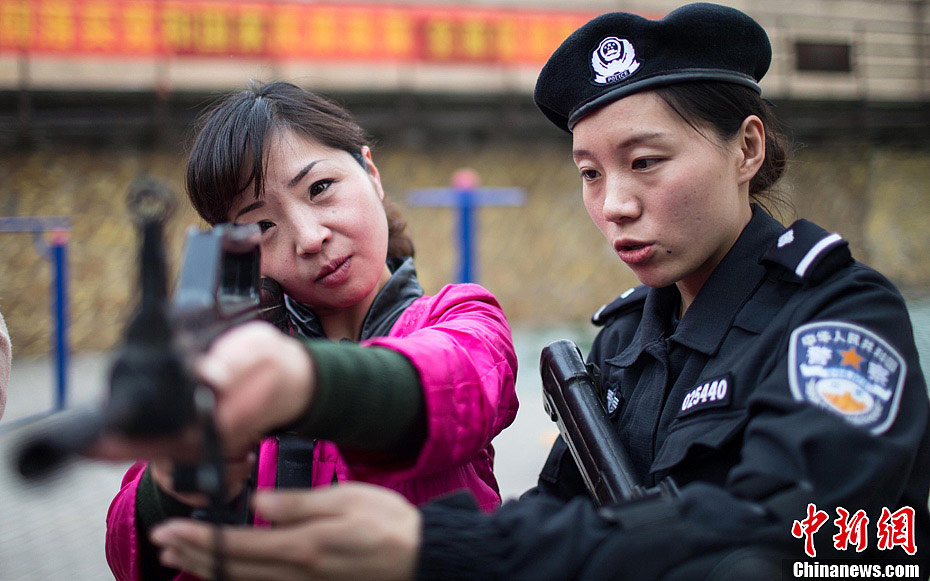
(55, 530)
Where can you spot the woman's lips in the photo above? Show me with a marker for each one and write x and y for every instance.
(634, 253)
(335, 273)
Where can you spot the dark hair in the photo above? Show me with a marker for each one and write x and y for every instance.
(723, 107)
(231, 148)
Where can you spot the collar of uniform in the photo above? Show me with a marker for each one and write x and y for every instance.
(729, 287)
(393, 299)
(653, 324)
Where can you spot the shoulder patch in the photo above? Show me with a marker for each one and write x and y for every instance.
(808, 252)
(627, 300)
(847, 370)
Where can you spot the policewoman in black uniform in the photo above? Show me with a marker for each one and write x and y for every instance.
(760, 367)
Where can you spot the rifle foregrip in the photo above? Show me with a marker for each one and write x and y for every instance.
(571, 401)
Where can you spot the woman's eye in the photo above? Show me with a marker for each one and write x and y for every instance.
(319, 187)
(645, 163)
(264, 225)
(589, 174)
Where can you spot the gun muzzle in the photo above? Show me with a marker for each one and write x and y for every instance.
(57, 441)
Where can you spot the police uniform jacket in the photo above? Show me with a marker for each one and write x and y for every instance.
(792, 379)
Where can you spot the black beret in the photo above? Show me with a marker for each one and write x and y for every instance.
(617, 54)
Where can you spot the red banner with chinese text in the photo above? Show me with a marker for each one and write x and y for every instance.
(285, 30)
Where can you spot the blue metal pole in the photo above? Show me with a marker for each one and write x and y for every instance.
(466, 236)
(60, 289)
(467, 197)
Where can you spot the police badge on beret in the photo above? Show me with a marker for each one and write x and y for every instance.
(613, 60)
(847, 370)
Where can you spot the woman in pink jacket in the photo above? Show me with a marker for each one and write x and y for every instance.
(299, 167)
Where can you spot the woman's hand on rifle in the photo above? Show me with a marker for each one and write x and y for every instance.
(263, 380)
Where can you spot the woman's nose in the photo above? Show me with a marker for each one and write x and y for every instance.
(621, 203)
(310, 236)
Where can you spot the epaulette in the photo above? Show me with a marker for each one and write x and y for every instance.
(807, 253)
(630, 299)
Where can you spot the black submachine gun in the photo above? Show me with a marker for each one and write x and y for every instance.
(571, 400)
(152, 391)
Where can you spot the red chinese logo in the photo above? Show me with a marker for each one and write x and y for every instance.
(897, 529)
(807, 527)
(894, 529)
(852, 530)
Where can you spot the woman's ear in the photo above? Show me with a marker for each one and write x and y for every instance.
(372, 169)
(751, 142)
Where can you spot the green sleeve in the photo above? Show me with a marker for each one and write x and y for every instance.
(152, 507)
(367, 398)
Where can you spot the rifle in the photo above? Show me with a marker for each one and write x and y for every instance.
(571, 399)
(152, 391)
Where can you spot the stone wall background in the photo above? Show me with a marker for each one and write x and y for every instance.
(545, 261)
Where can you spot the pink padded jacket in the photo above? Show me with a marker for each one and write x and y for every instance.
(459, 341)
